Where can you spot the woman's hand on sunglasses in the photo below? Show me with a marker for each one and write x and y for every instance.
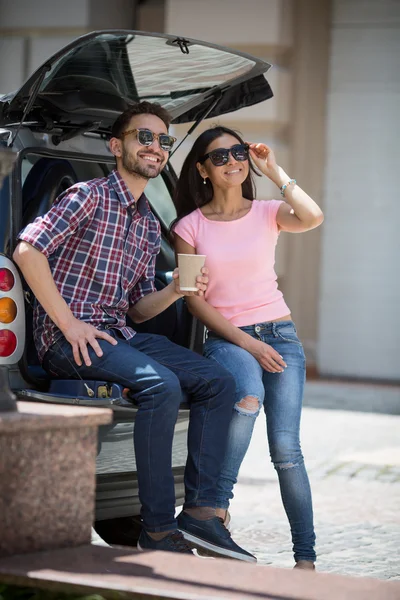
(201, 283)
(264, 158)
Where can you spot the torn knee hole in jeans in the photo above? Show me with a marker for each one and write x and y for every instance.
(286, 465)
(249, 405)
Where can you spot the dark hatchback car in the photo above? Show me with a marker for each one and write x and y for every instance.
(58, 124)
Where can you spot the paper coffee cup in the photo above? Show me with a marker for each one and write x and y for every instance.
(190, 266)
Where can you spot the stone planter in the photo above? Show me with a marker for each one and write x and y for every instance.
(47, 476)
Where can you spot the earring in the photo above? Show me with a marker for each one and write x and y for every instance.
(205, 180)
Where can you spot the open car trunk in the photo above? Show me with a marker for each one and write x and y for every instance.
(92, 80)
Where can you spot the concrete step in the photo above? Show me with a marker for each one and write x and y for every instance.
(127, 573)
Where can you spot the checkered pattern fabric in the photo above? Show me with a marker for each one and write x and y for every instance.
(101, 246)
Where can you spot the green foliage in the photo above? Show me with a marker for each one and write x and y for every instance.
(11, 592)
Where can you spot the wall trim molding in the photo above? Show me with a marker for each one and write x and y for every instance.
(45, 31)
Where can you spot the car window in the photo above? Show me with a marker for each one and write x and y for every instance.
(156, 190)
(160, 200)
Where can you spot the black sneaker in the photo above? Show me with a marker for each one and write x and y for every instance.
(173, 542)
(211, 535)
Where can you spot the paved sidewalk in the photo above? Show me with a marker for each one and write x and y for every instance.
(353, 460)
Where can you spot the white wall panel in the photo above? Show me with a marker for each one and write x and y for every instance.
(11, 63)
(360, 278)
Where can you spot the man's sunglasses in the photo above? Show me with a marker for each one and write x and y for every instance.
(145, 137)
(220, 156)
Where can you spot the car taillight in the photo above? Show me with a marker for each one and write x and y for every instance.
(6, 280)
(8, 342)
(12, 313)
(8, 310)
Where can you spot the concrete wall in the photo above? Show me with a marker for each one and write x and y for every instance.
(30, 31)
(310, 62)
(227, 21)
(43, 13)
(359, 333)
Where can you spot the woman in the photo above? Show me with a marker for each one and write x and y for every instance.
(250, 330)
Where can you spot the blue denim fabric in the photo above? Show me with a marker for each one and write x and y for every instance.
(156, 370)
(281, 395)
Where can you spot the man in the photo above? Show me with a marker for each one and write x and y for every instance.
(90, 261)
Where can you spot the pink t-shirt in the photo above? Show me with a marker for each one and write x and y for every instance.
(240, 259)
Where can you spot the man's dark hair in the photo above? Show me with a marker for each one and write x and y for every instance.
(141, 108)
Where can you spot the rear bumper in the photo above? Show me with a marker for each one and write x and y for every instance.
(118, 495)
(117, 492)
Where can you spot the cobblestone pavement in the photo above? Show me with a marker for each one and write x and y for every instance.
(353, 460)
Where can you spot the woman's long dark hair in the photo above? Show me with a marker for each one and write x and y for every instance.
(190, 192)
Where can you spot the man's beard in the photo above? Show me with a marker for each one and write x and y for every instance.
(134, 167)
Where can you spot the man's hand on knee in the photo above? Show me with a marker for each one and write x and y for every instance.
(79, 334)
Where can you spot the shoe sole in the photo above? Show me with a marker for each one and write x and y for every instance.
(216, 550)
(194, 551)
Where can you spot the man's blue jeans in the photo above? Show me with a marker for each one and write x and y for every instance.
(156, 370)
(281, 396)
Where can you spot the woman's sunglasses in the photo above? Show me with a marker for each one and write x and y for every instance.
(145, 137)
(220, 156)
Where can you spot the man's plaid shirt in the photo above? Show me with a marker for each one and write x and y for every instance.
(101, 247)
